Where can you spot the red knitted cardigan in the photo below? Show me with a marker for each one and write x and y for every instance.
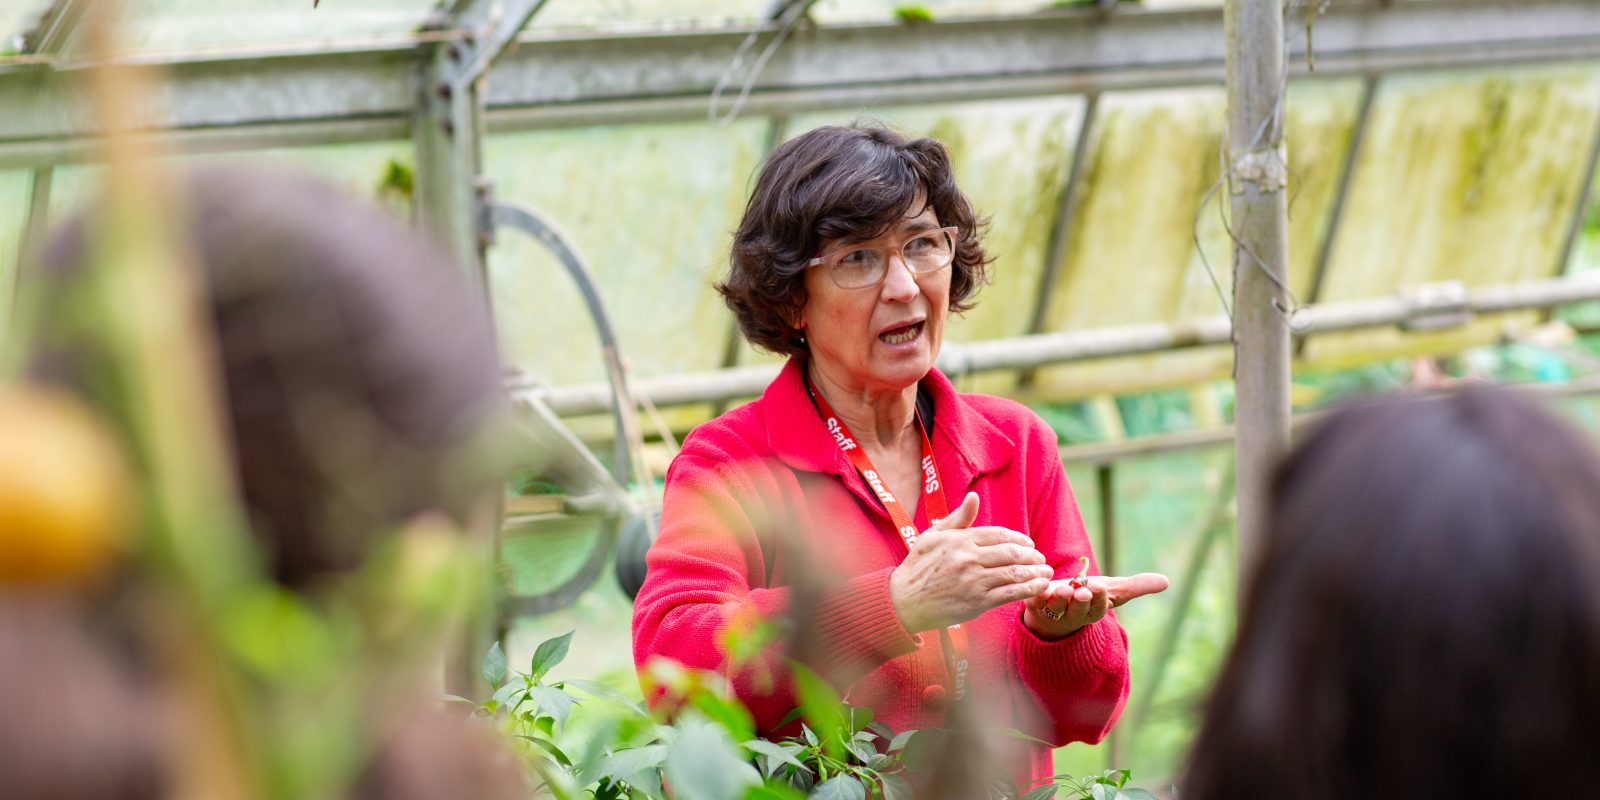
(762, 493)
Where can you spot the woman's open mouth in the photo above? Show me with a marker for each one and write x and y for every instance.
(902, 334)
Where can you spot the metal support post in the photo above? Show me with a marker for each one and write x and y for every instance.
(1258, 178)
(36, 224)
(447, 127)
(1061, 232)
(1580, 211)
(1347, 173)
(447, 131)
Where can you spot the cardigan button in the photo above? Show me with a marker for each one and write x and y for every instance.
(935, 697)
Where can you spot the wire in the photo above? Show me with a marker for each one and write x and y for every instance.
(1293, 315)
(787, 20)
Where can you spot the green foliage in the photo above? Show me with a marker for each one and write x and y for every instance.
(710, 751)
(1109, 785)
(913, 13)
(1083, 3)
(398, 179)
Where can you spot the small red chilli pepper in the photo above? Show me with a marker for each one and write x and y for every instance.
(1082, 578)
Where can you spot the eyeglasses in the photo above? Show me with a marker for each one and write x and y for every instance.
(859, 267)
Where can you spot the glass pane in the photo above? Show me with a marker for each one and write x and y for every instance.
(847, 11)
(182, 25)
(621, 15)
(1463, 177)
(649, 207)
(1131, 258)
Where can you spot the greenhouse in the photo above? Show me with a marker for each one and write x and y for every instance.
(588, 163)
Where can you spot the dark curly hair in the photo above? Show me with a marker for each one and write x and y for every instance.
(835, 183)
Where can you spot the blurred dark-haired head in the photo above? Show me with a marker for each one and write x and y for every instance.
(358, 368)
(74, 724)
(837, 183)
(1424, 619)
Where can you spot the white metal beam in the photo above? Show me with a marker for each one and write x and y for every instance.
(558, 80)
(55, 26)
(1428, 307)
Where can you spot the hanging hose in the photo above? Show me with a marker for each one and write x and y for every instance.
(627, 463)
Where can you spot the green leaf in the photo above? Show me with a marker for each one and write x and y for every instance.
(1135, 794)
(802, 780)
(924, 749)
(1101, 791)
(860, 718)
(899, 741)
(704, 764)
(822, 708)
(494, 665)
(549, 747)
(606, 692)
(1044, 792)
(880, 762)
(863, 751)
(842, 787)
(810, 736)
(912, 14)
(549, 654)
(624, 765)
(775, 751)
(1016, 734)
(455, 698)
(730, 714)
(790, 717)
(506, 691)
(1005, 786)
(775, 791)
(552, 701)
(896, 788)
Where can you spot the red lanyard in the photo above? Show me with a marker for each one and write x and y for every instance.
(953, 638)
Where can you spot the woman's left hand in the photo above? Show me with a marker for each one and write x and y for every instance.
(1063, 608)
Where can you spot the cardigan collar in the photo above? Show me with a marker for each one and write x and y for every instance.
(966, 444)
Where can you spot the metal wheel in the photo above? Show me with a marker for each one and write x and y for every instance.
(572, 466)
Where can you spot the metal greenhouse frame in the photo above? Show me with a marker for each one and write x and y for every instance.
(470, 70)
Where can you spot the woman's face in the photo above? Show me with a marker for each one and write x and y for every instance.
(882, 337)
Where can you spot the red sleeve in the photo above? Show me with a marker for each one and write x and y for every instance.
(1078, 685)
(707, 571)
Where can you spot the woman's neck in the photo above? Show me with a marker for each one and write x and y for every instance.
(879, 419)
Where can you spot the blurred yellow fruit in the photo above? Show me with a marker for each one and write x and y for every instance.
(64, 490)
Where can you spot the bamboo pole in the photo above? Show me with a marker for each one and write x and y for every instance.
(1258, 177)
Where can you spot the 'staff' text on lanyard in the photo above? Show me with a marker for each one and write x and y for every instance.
(953, 638)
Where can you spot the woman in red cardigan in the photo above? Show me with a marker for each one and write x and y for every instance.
(924, 541)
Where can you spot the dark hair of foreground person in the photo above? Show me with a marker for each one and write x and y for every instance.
(357, 368)
(1424, 617)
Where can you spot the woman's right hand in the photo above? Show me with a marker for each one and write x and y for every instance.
(956, 572)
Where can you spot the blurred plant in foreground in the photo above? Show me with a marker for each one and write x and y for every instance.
(709, 750)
